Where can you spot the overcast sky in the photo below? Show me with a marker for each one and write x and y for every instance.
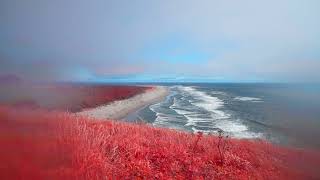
(213, 40)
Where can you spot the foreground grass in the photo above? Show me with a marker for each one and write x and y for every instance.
(49, 145)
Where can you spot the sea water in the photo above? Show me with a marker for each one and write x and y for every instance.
(281, 113)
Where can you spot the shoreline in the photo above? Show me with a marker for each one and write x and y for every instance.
(118, 110)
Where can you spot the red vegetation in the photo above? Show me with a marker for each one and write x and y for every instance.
(48, 145)
(64, 97)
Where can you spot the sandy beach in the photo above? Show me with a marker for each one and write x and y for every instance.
(120, 109)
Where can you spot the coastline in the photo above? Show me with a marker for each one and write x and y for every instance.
(122, 108)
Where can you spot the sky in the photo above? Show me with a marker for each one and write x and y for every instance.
(161, 41)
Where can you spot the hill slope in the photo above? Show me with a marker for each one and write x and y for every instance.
(51, 145)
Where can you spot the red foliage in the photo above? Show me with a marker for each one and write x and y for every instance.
(51, 145)
(65, 97)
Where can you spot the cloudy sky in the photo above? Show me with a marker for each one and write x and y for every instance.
(167, 40)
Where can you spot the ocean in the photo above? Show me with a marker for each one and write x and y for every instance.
(286, 114)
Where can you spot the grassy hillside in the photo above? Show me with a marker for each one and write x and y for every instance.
(54, 145)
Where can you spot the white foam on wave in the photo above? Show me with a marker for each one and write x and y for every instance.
(232, 127)
(183, 112)
(180, 108)
(198, 120)
(243, 98)
(201, 100)
(154, 107)
(207, 102)
(193, 121)
(203, 131)
(218, 92)
(175, 103)
(160, 117)
(164, 119)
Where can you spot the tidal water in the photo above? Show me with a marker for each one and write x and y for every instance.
(282, 113)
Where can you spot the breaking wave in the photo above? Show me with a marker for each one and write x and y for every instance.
(196, 110)
(253, 99)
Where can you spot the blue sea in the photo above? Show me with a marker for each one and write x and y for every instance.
(281, 113)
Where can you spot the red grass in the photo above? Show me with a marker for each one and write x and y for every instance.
(42, 145)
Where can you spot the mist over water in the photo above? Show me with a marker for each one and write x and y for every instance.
(282, 113)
